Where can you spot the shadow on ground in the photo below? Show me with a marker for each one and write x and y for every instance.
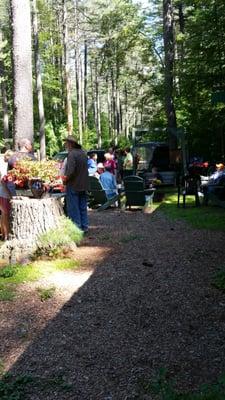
(148, 304)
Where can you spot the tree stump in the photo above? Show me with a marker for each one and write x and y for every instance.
(29, 218)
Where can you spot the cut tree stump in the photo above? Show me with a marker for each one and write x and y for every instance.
(29, 218)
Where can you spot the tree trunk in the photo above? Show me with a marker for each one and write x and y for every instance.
(97, 106)
(5, 108)
(109, 107)
(39, 84)
(79, 94)
(85, 83)
(126, 122)
(22, 70)
(113, 103)
(168, 36)
(69, 110)
(29, 219)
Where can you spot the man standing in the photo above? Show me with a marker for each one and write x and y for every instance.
(76, 183)
(127, 163)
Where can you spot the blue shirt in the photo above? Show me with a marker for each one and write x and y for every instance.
(92, 166)
(108, 182)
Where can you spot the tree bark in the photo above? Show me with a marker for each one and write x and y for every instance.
(32, 217)
(29, 218)
(39, 84)
(69, 110)
(168, 37)
(85, 82)
(97, 107)
(4, 107)
(22, 70)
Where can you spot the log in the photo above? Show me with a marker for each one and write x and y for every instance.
(29, 218)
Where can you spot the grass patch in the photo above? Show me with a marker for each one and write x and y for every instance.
(46, 293)
(6, 293)
(17, 274)
(52, 242)
(219, 279)
(129, 238)
(164, 389)
(203, 217)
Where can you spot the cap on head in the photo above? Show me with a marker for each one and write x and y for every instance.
(100, 166)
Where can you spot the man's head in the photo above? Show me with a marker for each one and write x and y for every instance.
(7, 155)
(25, 145)
(127, 150)
(71, 143)
(100, 168)
(154, 170)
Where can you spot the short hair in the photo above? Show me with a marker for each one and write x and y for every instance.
(8, 154)
(24, 142)
(127, 149)
(92, 155)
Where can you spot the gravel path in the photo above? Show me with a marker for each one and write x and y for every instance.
(142, 301)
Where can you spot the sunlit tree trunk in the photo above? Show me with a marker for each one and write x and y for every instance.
(79, 94)
(22, 70)
(39, 84)
(85, 82)
(126, 122)
(69, 110)
(97, 106)
(109, 106)
(168, 37)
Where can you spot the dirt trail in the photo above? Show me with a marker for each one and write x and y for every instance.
(142, 300)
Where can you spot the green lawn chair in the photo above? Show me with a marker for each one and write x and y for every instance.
(97, 195)
(135, 193)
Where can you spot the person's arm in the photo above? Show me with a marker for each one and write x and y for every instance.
(70, 166)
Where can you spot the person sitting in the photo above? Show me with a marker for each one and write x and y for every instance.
(215, 180)
(100, 170)
(108, 182)
(92, 164)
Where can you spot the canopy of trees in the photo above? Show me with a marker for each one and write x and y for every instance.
(102, 67)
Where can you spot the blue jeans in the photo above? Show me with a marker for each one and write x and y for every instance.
(76, 204)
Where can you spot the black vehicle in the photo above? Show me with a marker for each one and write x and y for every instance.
(151, 154)
(100, 154)
(63, 154)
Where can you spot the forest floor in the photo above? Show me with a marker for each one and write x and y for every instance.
(142, 300)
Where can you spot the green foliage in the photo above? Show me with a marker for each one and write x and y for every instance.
(14, 389)
(46, 293)
(6, 294)
(164, 389)
(51, 140)
(219, 279)
(67, 233)
(16, 274)
(17, 387)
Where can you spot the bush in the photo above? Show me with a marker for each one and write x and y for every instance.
(67, 234)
